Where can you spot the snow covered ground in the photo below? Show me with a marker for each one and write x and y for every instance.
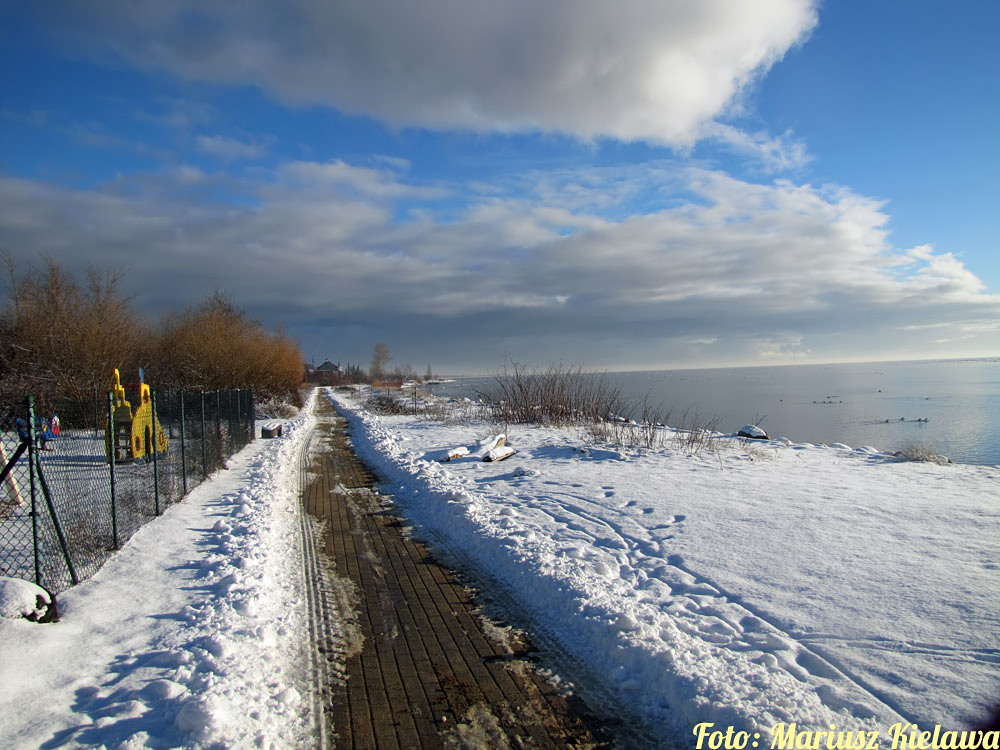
(761, 583)
(745, 587)
(194, 635)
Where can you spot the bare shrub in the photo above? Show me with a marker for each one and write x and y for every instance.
(558, 395)
(274, 408)
(61, 339)
(693, 435)
(648, 431)
(386, 403)
(455, 411)
(438, 411)
(757, 452)
(380, 358)
(696, 433)
(215, 346)
(565, 396)
(923, 452)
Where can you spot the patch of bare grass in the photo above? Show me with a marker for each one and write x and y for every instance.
(386, 403)
(921, 452)
(558, 395)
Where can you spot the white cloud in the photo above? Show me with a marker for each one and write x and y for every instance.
(787, 347)
(653, 70)
(737, 271)
(229, 149)
(774, 153)
(371, 182)
(186, 174)
(945, 274)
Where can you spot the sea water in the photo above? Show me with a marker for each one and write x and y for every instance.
(948, 407)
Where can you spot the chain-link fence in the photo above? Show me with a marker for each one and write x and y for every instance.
(66, 506)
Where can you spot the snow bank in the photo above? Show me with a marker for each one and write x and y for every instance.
(193, 635)
(23, 599)
(768, 583)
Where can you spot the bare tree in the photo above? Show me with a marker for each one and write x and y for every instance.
(58, 338)
(380, 358)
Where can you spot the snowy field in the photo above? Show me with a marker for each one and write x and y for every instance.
(760, 583)
(194, 635)
(747, 587)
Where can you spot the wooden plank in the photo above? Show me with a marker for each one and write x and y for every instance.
(425, 661)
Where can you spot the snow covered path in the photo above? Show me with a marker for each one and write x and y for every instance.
(193, 635)
(747, 588)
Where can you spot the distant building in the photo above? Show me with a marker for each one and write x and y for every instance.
(329, 366)
(327, 373)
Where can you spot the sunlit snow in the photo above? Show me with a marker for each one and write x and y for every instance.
(755, 583)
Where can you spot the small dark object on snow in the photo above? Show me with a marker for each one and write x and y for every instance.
(270, 432)
(49, 611)
(753, 432)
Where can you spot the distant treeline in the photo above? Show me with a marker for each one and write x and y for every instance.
(61, 339)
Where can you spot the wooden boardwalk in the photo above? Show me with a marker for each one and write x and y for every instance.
(423, 668)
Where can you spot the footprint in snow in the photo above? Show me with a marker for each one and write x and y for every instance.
(750, 624)
(814, 665)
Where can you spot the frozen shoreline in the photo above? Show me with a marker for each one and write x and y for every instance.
(950, 407)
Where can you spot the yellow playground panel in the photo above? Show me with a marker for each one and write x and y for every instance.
(136, 435)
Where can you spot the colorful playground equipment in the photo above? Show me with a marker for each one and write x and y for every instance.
(137, 435)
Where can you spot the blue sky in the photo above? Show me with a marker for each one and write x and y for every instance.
(630, 185)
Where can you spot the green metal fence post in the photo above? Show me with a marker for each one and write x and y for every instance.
(29, 403)
(204, 448)
(54, 516)
(253, 418)
(218, 427)
(184, 476)
(247, 413)
(153, 448)
(112, 459)
(238, 429)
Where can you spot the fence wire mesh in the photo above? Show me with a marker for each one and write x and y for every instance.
(65, 508)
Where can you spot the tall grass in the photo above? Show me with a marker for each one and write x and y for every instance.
(561, 396)
(921, 452)
(693, 434)
(557, 395)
